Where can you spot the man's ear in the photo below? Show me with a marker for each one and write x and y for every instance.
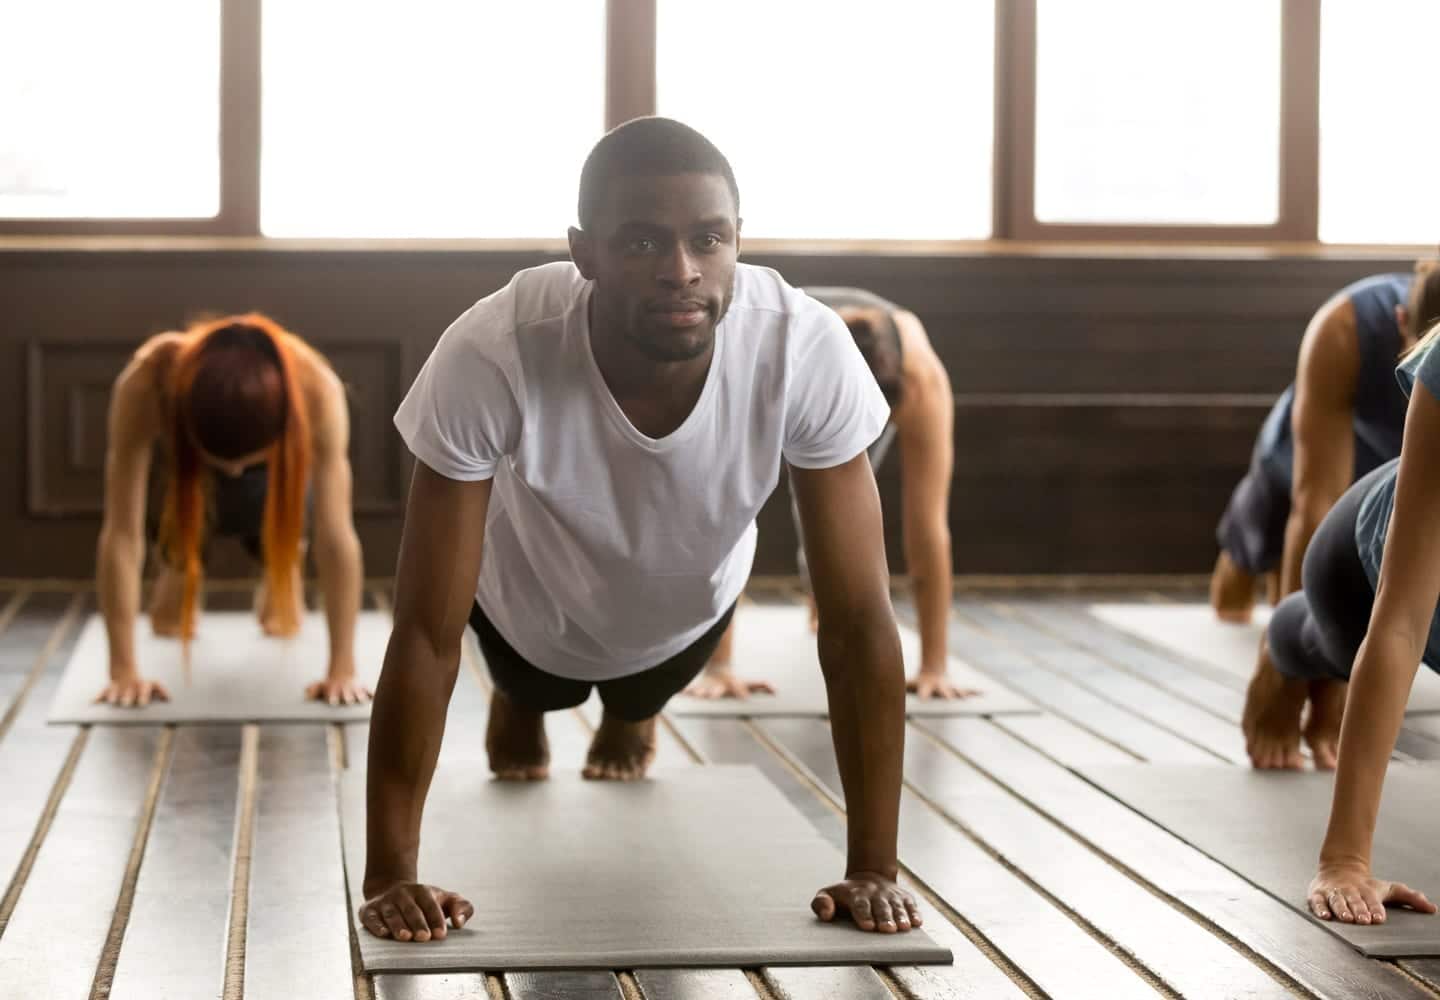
(739, 225)
(582, 252)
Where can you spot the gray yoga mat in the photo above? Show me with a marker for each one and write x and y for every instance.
(237, 673)
(1267, 828)
(776, 644)
(1193, 631)
(701, 866)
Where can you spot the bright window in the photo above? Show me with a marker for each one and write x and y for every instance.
(110, 110)
(1378, 142)
(428, 118)
(1157, 113)
(842, 119)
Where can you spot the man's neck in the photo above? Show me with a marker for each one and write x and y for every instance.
(656, 396)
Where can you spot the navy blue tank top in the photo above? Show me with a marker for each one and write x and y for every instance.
(1379, 402)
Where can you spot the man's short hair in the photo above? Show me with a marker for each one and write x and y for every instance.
(648, 147)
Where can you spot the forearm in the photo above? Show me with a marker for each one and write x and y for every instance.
(118, 562)
(931, 578)
(407, 725)
(341, 566)
(865, 682)
(1374, 711)
(1300, 527)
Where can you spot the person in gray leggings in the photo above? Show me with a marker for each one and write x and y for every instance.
(1368, 613)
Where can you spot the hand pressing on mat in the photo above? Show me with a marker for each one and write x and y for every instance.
(874, 902)
(345, 690)
(410, 911)
(1353, 896)
(721, 682)
(132, 691)
(934, 684)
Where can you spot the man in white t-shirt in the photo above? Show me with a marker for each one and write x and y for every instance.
(606, 430)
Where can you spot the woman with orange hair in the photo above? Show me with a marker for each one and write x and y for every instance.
(250, 422)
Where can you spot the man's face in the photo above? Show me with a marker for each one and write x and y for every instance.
(662, 253)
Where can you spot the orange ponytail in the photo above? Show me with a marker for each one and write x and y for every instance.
(234, 354)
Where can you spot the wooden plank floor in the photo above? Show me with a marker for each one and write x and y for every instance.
(192, 862)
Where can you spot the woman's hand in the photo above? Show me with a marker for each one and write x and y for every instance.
(1354, 896)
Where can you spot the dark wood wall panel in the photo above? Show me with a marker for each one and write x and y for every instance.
(1105, 406)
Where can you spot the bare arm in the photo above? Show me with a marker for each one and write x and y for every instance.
(1322, 426)
(120, 552)
(337, 547)
(1380, 683)
(864, 680)
(434, 586)
(925, 420)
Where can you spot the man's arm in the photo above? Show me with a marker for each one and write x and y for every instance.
(1322, 427)
(120, 551)
(865, 685)
(925, 422)
(434, 586)
(337, 547)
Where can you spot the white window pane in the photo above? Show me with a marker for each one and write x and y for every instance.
(108, 109)
(1378, 146)
(1154, 112)
(842, 119)
(428, 118)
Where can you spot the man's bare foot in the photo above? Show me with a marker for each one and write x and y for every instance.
(1232, 591)
(1272, 717)
(515, 741)
(621, 751)
(1322, 724)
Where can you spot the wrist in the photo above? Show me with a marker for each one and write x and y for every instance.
(890, 873)
(341, 668)
(1335, 862)
(934, 669)
(375, 884)
(123, 671)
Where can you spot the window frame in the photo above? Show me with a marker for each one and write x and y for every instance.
(630, 89)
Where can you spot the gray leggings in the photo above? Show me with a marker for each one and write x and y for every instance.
(1316, 632)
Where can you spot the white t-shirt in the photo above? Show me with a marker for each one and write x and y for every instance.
(607, 551)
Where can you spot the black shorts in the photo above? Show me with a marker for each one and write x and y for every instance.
(632, 698)
(1252, 529)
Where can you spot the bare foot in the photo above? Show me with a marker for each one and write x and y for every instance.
(1322, 725)
(1232, 591)
(515, 741)
(1272, 717)
(621, 751)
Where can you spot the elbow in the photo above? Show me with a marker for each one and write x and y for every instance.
(863, 636)
(927, 548)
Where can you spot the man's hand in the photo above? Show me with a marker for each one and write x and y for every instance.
(934, 684)
(410, 911)
(1352, 896)
(130, 690)
(340, 687)
(721, 682)
(874, 902)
